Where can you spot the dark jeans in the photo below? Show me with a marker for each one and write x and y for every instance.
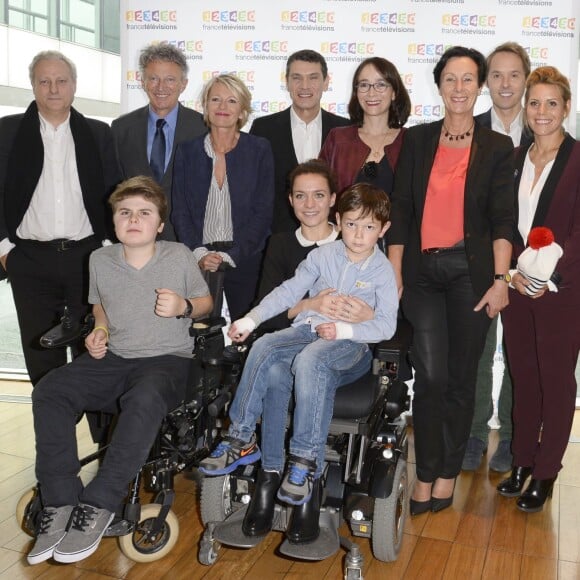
(448, 339)
(483, 392)
(141, 390)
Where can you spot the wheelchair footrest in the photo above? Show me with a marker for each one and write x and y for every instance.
(326, 545)
(229, 532)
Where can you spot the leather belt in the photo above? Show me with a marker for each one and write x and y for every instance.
(60, 244)
(459, 247)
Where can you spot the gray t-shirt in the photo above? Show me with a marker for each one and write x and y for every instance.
(128, 298)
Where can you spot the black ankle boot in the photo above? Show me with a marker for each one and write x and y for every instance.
(513, 485)
(536, 494)
(303, 526)
(260, 513)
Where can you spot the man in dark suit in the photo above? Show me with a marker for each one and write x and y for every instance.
(297, 133)
(508, 66)
(57, 169)
(164, 77)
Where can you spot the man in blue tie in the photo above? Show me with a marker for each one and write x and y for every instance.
(146, 138)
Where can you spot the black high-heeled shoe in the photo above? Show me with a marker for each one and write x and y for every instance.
(304, 527)
(419, 507)
(260, 513)
(513, 485)
(536, 494)
(440, 503)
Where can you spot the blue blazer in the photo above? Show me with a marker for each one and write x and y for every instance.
(250, 172)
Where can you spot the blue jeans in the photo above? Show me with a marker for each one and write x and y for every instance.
(294, 358)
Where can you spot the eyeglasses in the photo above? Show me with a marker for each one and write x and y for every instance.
(370, 169)
(379, 86)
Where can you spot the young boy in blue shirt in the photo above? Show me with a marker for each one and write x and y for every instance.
(312, 355)
(145, 293)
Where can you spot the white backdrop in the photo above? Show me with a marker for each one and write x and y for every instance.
(255, 41)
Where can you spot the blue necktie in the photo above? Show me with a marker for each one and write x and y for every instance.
(157, 161)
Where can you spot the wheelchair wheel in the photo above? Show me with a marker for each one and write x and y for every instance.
(389, 518)
(216, 498)
(27, 510)
(141, 546)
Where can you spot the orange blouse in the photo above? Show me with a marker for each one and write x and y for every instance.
(442, 225)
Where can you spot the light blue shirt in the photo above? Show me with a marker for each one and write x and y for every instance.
(168, 130)
(372, 280)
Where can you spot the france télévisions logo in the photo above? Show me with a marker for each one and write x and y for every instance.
(187, 46)
(348, 48)
(266, 107)
(228, 16)
(246, 76)
(388, 22)
(153, 15)
(469, 20)
(562, 23)
(307, 17)
(261, 46)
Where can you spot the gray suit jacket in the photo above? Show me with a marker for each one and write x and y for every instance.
(130, 134)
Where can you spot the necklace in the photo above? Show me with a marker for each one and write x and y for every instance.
(377, 150)
(448, 135)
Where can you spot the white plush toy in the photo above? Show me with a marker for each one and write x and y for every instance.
(538, 261)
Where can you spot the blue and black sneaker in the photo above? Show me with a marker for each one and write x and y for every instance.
(229, 454)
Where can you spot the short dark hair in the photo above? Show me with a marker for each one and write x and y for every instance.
(165, 52)
(307, 55)
(513, 48)
(316, 167)
(400, 106)
(458, 52)
(368, 198)
(144, 186)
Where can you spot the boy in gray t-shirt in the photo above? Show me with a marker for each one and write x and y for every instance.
(144, 294)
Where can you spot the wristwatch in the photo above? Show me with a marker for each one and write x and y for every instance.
(507, 278)
(188, 310)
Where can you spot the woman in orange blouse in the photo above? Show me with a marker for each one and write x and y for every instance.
(450, 245)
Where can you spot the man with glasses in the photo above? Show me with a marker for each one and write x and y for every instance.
(297, 133)
(146, 138)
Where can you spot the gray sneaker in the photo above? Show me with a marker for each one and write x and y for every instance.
(88, 524)
(51, 530)
(296, 487)
(502, 458)
(229, 454)
(473, 454)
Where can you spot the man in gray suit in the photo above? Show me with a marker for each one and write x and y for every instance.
(146, 138)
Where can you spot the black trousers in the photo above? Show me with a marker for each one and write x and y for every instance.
(448, 339)
(141, 390)
(44, 279)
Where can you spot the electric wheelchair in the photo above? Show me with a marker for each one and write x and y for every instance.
(150, 531)
(365, 478)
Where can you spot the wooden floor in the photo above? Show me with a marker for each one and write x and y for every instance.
(482, 536)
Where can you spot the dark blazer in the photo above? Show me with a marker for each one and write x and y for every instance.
(250, 173)
(559, 210)
(488, 206)
(130, 133)
(484, 119)
(277, 129)
(22, 159)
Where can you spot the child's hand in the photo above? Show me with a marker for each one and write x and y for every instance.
(96, 343)
(240, 329)
(169, 304)
(326, 330)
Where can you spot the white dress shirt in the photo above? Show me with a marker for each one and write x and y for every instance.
(307, 138)
(56, 210)
(515, 129)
